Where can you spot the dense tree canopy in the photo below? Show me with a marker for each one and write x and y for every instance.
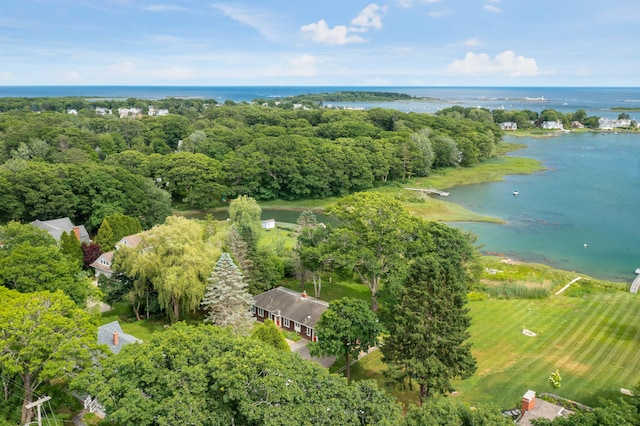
(175, 260)
(265, 152)
(43, 336)
(207, 376)
(30, 260)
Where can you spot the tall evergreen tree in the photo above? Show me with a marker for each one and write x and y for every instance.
(70, 247)
(104, 237)
(226, 299)
(428, 326)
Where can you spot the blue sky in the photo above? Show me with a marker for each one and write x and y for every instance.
(323, 43)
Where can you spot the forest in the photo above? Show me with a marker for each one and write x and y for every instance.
(204, 153)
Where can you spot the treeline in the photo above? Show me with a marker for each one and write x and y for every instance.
(208, 154)
(351, 96)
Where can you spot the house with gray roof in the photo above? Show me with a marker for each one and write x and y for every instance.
(290, 310)
(55, 227)
(112, 335)
(102, 265)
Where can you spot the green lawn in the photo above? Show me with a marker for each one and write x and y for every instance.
(330, 291)
(592, 340)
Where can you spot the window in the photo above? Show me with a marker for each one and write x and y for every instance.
(260, 312)
(309, 331)
(286, 323)
(253, 309)
(296, 326)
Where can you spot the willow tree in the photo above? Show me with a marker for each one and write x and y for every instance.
(175, 260)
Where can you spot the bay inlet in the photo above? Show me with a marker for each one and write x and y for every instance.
(581, 214)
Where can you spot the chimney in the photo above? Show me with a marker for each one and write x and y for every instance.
(76, 231)
(303, 295)
(529, 401)
(115, 338)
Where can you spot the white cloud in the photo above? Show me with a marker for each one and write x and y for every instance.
(321, 33)
(164, 8)
(472, 42)
(261, 21)
(492, 8)
(506, 63)
(410, 3)
(369, 17)
(440, 13)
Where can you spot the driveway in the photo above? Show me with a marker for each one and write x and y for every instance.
(300, 347)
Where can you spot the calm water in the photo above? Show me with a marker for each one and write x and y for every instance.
(589, 194)
(280, 215)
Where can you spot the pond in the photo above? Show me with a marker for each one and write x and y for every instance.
(280, 215)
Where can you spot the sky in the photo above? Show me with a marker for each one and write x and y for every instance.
(320, 43)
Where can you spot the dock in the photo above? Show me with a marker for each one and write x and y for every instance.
(636, 283)
(427, 191)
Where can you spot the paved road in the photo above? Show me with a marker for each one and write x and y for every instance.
(300, 347)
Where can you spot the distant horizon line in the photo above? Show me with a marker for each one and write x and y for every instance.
(317, 85)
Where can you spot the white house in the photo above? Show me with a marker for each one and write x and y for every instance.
(509, 125)
(552, 125)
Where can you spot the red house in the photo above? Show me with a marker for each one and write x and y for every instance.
(290, 310)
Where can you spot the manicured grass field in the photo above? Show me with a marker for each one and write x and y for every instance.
(593, 341)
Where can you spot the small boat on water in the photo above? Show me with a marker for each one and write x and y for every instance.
(515, 193)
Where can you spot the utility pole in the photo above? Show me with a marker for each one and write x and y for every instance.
(38, 404)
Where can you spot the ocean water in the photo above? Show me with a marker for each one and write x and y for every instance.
(581, 214)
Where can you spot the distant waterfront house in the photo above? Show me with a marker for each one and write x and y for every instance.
(552, 125)
(610, 124)
(72, 111)
(129, 112)
(290, 310)
(509, 125)
(55, 227)
(577, 125)
(103, 111)
(157, 112)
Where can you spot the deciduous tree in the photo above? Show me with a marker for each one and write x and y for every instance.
(43, 336)
(208, 376)
(377, 231)
(347, 328)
